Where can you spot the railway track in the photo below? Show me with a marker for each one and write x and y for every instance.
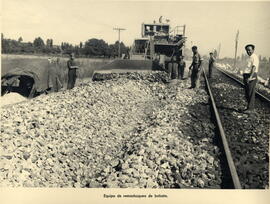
(228, 154)
(233, 78)
(171, 140)
(247, 136)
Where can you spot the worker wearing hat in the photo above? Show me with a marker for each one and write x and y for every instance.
(72, 71)
(196, 66)
(250, 76)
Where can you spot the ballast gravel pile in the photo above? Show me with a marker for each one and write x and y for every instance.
(11, 98)
(124, 130)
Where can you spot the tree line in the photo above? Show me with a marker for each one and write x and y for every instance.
(91, 48)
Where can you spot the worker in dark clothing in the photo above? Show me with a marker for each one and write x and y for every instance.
(181, 67)
(250, 76)
(196, 66)
(211, 64)
(72, 72)
(173, 67)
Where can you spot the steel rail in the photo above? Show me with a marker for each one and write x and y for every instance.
(228, 154)
(258, 94)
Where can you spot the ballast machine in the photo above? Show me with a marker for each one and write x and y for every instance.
(158, 43)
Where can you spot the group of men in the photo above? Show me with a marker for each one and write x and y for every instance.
(176, 67)
(176, 70)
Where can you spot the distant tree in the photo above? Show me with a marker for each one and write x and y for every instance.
(76, 50)
(10, 46)
(57, 49)
(111, 51)
(38, 43)
(95, 47)
(123, 49)
(49, 43)
(67, 48)
(27, 47)
(92, 47)
(3, 44)
(20, 39)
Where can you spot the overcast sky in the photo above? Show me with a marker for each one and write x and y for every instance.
(208, 23)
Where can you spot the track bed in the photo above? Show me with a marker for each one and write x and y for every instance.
(248, 135)
(135, 130)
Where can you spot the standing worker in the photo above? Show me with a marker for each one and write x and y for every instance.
(196, 68)
(211, 64)
(181, 67)
(72, 71)
(250, 76)
(173, 67)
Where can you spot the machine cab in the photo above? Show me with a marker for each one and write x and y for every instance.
(158, 39)
(155, 29)
(139, 48)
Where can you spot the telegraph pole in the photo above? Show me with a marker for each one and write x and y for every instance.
(236, 44)
(119, 30)
(219, 47)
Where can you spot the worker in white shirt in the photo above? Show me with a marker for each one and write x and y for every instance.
(250, 76)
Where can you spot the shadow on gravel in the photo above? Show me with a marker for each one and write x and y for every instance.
(229, 109)
(204, 126)
(227, 182)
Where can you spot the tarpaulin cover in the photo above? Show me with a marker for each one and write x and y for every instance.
(40, 75)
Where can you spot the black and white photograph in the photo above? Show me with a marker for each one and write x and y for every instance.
(135, 95)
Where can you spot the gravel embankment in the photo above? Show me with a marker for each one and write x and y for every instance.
(11, 98)
(259, 87)
(135, 130)
(248, 135)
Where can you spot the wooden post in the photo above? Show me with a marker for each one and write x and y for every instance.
(119, 30)
(235, 55)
